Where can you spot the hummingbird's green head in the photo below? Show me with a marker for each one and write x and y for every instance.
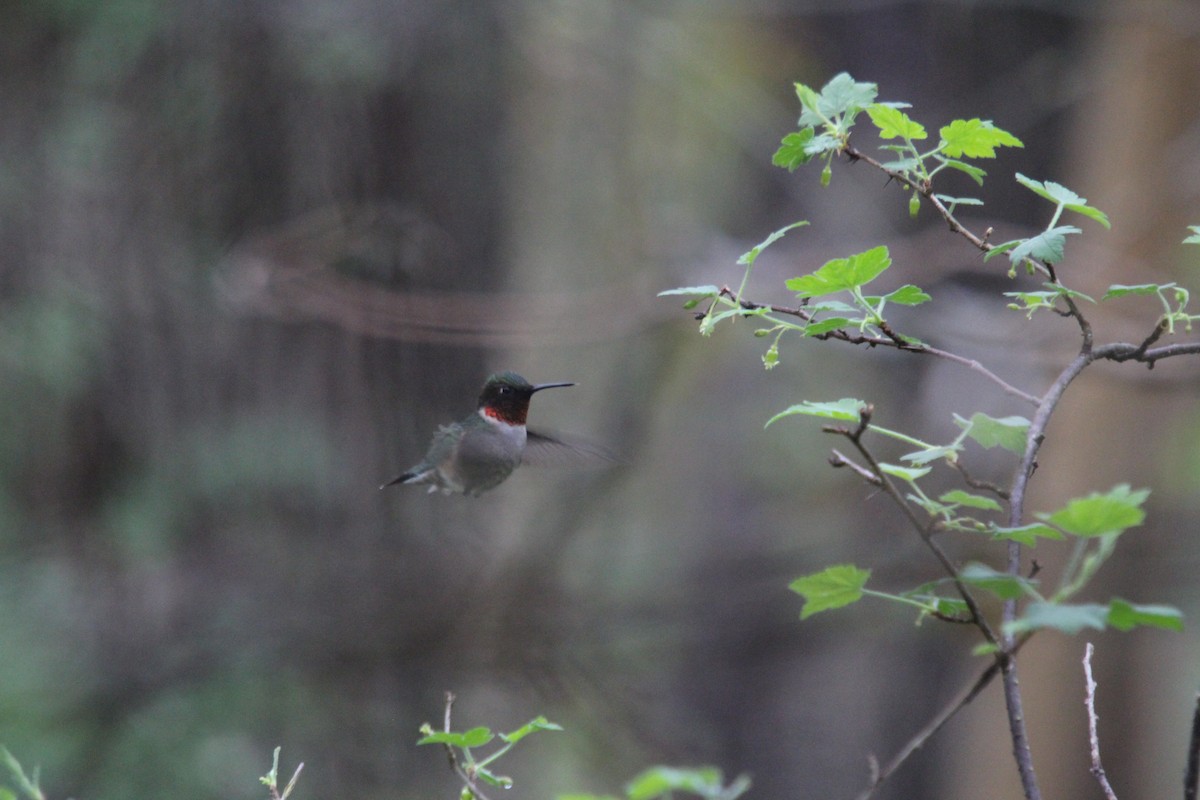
(506, 396)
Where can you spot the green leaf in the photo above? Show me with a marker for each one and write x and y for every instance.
(908, 295)
(909, 474)
(1100, 514)
(809, 99)
(1047, 246)
(840, 100)
(660, 781)
(501, 781)
(842, 274)
(973, 171)
(975, 138)
(1124, 616)
(750, 256)
(1001, 584)
(831, 588)
(476, 737)
(931, 454)
(1121, 290)
(1060, 195)
(1195, 237)
(825, 325)
(1026, 534)
(537, 724)
(959, 497)
(892, 123)
(959, 201)
(845, 410)
(1069, 619)
(823, 143)
(701, 291)
(989, 432)
(793, 150)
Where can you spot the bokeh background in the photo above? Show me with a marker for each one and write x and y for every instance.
(253, 252)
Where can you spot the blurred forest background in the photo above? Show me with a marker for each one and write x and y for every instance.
(254, 252)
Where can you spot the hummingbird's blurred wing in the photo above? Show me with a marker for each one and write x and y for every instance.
(545, 450)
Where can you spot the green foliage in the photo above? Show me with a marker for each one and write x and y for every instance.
(834, 304)
(830, 588)
(26, 784)
(471, 768)
(271, 779)
(664, 782)
(1101, 514)
(1008, 432)
(1174, 299)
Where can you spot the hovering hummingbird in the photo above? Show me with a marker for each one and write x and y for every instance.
(478, 453)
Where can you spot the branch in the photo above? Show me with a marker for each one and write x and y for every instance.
(939, 720)
(882, 480)
(1191, 780)
(1093, 737)
(467, 779)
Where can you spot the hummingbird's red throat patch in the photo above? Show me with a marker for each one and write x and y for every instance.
(508, 417)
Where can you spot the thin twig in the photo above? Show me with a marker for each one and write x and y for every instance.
(1093, 736)
(462, 773)
(880, 775)
(1191, 779)
(885, 483)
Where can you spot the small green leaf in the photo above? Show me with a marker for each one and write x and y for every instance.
(662, 781)
(908, 295)
(1100, 514)
(1195, 237)
(840, 100)
(892, 123)
(959, 497)
(749, 257)
(825, 325)
(959, 201)
(501, 781)
(975, 138)
(793, 150)
(1070, 619)
(1060, 195)
(1001, 584)
(842, 274)
(909, 474)
(1124, 616)
(702, 291)
(1047, 246)
(476, 737)
(997, 249)
(929, 454)
(989, 432)
(831, 588)
(1025, 534)
(1121, 290)
(845, 410)
(537, 724)
(975, 173)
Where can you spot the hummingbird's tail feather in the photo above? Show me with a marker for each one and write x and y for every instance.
(405, 478)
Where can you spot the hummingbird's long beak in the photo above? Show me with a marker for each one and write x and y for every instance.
(541, 386)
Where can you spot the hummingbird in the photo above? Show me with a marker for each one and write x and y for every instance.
(479, 452)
